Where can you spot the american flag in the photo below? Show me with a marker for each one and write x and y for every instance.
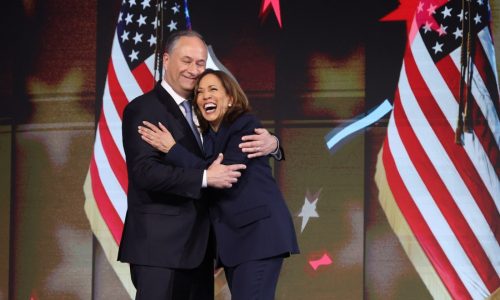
(441, 198)
(131, 72)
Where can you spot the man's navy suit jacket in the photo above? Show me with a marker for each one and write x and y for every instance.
(167, 223)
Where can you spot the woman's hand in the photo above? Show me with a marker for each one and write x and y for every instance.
(160, 138)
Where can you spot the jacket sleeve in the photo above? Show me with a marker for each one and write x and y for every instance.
(181, 157)
(146, 166)
(244, 125)
(280, 153)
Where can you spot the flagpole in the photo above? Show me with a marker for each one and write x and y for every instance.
(158, 69)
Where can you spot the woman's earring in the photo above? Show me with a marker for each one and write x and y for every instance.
(230, 104)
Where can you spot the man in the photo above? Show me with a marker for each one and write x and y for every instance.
(166, 236)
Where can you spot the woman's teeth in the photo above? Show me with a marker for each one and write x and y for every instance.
(209, 107)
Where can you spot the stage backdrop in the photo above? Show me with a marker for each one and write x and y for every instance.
(310, 68)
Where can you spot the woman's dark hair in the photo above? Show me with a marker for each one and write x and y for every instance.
(240, 102)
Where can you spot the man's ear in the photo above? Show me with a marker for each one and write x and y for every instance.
(166, 57)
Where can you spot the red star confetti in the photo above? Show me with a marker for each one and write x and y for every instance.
(275, 4)
(416, 13)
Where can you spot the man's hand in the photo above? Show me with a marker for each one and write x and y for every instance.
(260, 144)
(221, 176)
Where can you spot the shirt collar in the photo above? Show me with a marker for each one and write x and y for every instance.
(177, 98)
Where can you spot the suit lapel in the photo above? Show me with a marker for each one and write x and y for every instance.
(180, 129)
(221, 138)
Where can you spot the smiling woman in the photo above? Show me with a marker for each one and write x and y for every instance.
(253, 227)
(218, 97)
(212, 100)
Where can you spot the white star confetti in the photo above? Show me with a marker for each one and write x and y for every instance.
(309, 208)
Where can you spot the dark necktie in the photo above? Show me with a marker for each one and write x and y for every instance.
(189, 118)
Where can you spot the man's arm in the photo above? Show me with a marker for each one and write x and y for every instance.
(144, 164)
(262, 143)
(244, 126)
(216, 175)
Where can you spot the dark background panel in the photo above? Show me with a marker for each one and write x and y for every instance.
(332, 60)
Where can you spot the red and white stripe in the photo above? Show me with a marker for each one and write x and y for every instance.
(108, 169)
(448, 194)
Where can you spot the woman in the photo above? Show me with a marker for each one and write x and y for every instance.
(252, 224)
